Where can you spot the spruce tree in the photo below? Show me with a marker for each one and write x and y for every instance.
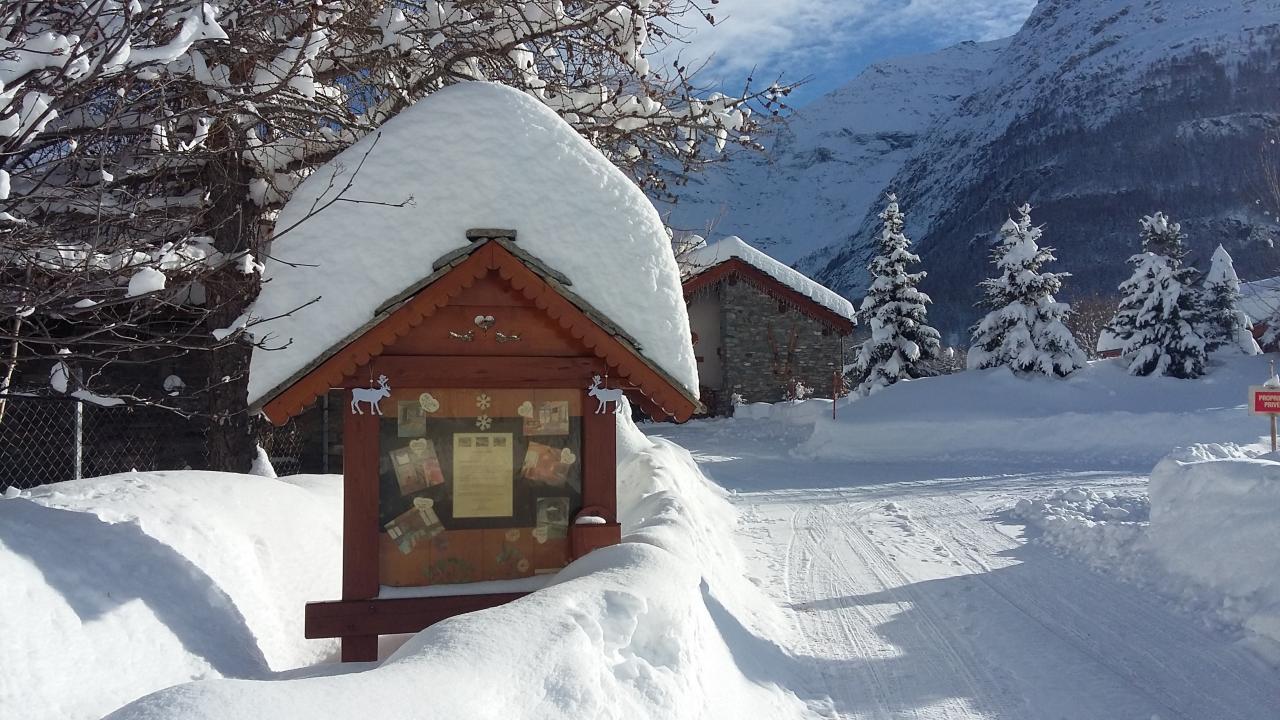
(1225, 327)
(1158, 319)
(1026, 328)
(895, 311)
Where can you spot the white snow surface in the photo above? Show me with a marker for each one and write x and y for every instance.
(1100, 417)
(664, 625)
(1203, 538)
(1215, 519)
(117, 586)
(914, 596)
(474, 155)
(1260, 299)
(709, 256)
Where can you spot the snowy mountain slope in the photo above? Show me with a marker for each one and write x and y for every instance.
(830, 162)
(1096, 112)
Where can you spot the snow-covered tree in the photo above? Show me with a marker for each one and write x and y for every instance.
(1225, 326)
(895, 311)
(1026, 328)
(161, 137)
(1158, 319)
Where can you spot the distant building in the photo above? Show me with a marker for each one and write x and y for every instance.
(760, 326)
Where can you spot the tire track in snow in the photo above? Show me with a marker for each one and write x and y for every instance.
(1177, 665)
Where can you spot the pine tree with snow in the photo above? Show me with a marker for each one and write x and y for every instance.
(1225, 326)
(1158, 319)
(895, 311)
(1026, 328)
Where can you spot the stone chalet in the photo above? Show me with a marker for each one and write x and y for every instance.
(759, 325)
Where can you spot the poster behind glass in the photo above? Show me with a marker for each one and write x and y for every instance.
(477, 484)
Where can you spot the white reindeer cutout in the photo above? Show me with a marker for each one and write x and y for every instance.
(373, 396)
(604, 396)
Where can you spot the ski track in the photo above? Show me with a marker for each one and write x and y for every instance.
(913, 600)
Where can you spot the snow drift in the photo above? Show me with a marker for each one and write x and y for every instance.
(661, 626)
(1204, 537)
(1099, 417)
(1215, 519)
(118, 586)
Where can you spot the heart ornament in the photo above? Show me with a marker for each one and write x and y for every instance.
(525, 410)
(567, 457)
(484, 322)
(428, 402)
(418, 447)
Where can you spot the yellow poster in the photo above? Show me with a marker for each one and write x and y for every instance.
(483, 475)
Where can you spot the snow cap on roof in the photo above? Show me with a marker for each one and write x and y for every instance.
(1260, 299)
(708, 256)
(472, 155)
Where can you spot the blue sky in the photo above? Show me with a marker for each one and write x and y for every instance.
(831, 41)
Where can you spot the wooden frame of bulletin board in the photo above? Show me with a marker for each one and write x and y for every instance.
(490, 331)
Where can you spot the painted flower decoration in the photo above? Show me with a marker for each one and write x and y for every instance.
(484, 422)
(483, 401)
(513, 535)
(522, 566)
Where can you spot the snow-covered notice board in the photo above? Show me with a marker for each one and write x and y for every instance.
(482, 367)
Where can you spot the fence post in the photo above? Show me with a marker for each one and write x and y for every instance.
(77, 457)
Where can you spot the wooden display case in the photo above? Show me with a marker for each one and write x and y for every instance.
(472, 450)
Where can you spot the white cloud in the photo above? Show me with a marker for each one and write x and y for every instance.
(797, 34)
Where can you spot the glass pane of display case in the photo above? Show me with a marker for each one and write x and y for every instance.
(477, 484)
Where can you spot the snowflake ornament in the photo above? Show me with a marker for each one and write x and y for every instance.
(484, 422)
(483, 401)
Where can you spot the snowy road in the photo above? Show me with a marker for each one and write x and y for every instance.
(911, 598)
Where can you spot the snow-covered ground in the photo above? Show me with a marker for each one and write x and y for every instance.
(171, 577)
(916, 592)
(833, 573)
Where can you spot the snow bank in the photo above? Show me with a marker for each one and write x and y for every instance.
(707, 257)
(661, 626)
(474, 155)
(1206, 539)
(1103, 529)
(1215, 519)
(118, 586)
(791, 411)
(1099, 417)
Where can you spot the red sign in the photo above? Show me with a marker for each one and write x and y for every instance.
(1264, 400)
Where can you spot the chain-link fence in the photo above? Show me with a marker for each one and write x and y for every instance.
(47, 440)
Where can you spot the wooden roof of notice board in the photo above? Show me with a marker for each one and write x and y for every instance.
(548, 290)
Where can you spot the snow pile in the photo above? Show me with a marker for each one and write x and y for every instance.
(474, 155)
(1102, 528)
(1099, 417)
(1205, 539)
(118, 586)
(792, 411)
(704, 258)
(661, 626)
(1215, 519)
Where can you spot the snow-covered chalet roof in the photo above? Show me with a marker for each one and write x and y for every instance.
(1260, 299)
(474, 155)
(701, 259)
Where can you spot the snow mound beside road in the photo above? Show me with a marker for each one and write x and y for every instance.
(1205, 538)
(182, 576)
(117, 586)
(1100, 417)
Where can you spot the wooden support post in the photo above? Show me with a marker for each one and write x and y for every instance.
(1273, 432)
(359, 522)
